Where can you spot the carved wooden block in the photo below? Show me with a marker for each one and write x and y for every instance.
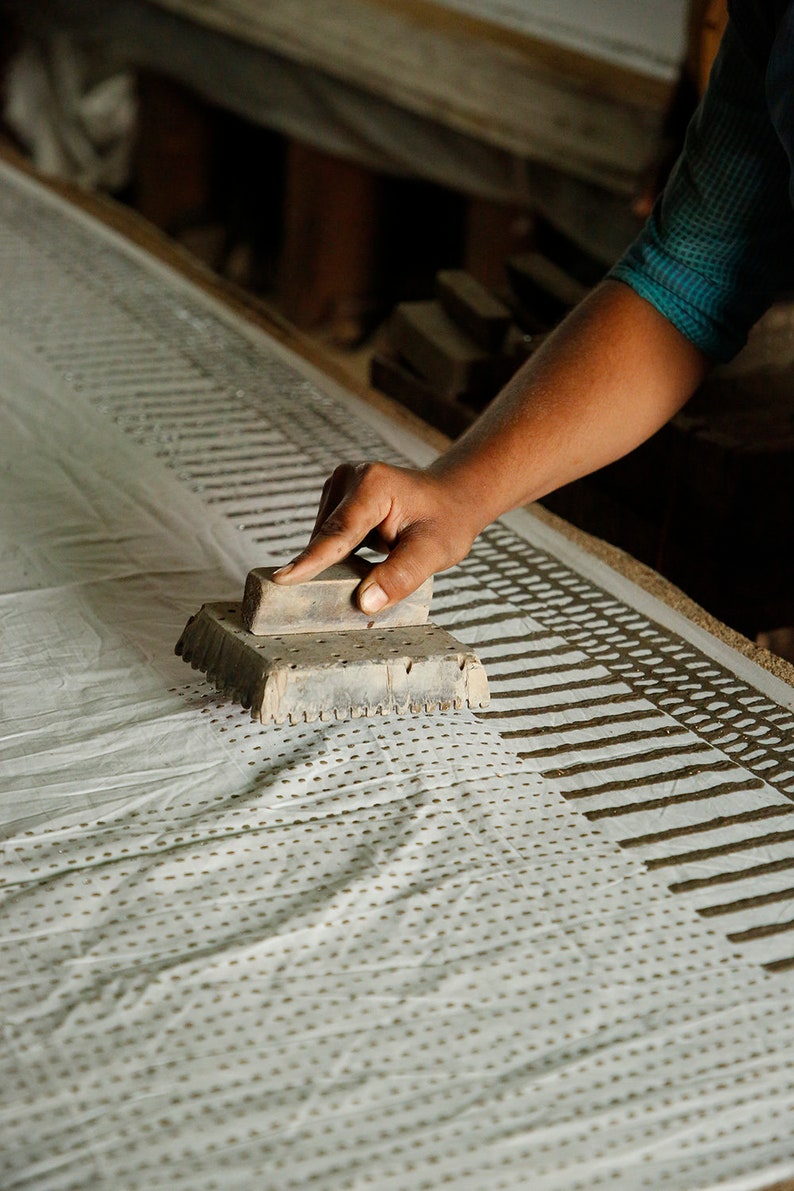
(473, 307)
(332, 675)
(435, 346)
(543, 287)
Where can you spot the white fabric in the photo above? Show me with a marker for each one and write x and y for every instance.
(383, 954)
(73, 110)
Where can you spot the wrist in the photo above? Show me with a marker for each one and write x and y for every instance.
(466, 490)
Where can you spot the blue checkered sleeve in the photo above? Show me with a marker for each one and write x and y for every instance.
(719, 245)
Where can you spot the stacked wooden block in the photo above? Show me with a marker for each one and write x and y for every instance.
(543, 292)
(447, 357)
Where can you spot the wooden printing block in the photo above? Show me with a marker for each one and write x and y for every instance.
(517, 348)
(543, 287)
(310, 676)
(473, 307)
(325, 604)
(438, 350)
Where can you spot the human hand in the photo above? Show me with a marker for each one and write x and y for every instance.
(413, 515)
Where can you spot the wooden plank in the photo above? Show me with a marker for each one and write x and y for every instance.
(173, 154)
(598, 71)
(327, 268)
(538, 102)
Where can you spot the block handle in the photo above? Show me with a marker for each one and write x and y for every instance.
(324, 604)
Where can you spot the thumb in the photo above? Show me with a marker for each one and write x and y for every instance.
(413, 559)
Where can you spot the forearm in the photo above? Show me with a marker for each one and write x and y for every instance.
(607, 379)
(613, 373)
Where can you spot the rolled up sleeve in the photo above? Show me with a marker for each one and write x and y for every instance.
(719, 245)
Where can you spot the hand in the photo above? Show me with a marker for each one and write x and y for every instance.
(411, 514)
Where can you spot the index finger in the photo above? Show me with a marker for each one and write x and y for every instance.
(341, 532)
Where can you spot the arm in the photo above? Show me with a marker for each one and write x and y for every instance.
(609, 377)
(713, 254)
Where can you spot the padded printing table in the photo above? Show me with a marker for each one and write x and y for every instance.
(550, 943)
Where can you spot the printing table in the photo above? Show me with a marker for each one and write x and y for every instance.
(548, 945)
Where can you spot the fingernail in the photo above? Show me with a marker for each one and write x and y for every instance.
(372, 599)
(285, 570)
